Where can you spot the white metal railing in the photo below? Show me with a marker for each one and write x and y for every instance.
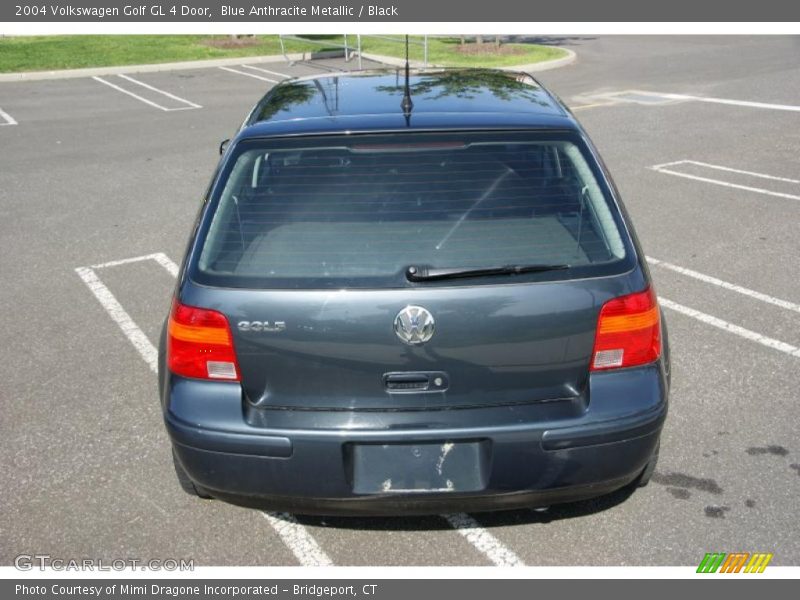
(351, 51)
(402, 40)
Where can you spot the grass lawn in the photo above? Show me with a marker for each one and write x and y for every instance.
(447, 52)
(46, 53)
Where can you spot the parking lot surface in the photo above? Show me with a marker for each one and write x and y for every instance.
(100, 181)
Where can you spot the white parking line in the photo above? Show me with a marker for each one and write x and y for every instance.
(726, 285)
(619, 97)
(253, 75)
(643, 97)
(485, 542)
(728, 101)
(731, 170)
(190, 105)
(294, 535)
(165, 262)
(267, 71)
(302, 544)
(9, 120)
(663, 168)
(155, 89)
(159, 257)
(731, 328)
(592, 105)
(124, 91)
(118, 314)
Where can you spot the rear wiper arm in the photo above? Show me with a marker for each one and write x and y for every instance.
(425, 274)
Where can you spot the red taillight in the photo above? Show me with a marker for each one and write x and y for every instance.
(199, 344)
(628, 332)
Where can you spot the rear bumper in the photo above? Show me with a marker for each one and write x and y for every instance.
(310, 467)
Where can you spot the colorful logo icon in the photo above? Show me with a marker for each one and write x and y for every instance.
(736, 562)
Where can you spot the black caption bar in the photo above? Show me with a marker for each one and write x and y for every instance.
(381, 589)
(194, 11)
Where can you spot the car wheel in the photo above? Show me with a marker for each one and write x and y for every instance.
(187, 485)
(644, 478)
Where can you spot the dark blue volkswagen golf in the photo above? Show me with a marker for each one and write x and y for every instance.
(412, 293)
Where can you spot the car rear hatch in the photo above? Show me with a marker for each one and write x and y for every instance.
(492, 344)
(308, 248)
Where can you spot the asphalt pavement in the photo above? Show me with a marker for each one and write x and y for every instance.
(103, 178)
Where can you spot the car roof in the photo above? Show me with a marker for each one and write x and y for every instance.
(371, 101)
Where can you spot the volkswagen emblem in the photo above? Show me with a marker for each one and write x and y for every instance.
(414, 325)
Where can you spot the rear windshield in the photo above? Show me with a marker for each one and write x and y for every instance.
(358, 211)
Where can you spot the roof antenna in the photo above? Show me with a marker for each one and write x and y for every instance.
(407, 104)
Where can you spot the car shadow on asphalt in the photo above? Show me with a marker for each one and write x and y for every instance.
(556, 512)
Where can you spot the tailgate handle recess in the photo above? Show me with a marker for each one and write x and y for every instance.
(415, 381)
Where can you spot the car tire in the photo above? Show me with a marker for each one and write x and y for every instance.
(648, 471)
(187, 485)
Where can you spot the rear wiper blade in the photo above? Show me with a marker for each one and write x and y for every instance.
(414, 273)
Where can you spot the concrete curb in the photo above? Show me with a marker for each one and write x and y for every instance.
(546, 65)
(529, 68)
(248, 60)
